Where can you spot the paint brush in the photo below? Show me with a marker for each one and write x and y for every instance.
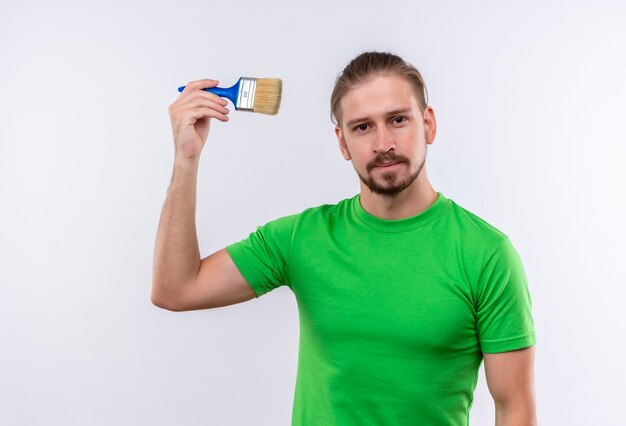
(261, 95)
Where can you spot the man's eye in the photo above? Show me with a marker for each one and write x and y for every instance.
(361, 127)
(399, 120)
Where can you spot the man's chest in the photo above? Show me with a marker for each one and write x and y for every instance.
(403, 296)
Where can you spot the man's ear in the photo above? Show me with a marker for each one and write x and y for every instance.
(430, 124)
(342, 143)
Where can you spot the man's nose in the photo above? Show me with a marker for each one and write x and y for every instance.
(384, 140)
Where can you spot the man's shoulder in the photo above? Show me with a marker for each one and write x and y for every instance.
(318, 212)
(471, 225)
(340, 207)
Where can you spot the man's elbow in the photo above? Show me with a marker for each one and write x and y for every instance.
(514, 412)
(163, 303)
(164, 300)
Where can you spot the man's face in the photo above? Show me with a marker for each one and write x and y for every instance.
(384, 133)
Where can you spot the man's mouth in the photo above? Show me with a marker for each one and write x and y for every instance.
(386, 162)
(387, 165)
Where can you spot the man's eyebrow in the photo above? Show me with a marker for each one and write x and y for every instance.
(387, 114)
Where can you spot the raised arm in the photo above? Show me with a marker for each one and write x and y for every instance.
(181, 280)
(511, 381)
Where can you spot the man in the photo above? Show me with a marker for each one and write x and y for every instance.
(401, 292)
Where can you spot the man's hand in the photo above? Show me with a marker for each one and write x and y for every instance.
(190, 115)
(510, 378)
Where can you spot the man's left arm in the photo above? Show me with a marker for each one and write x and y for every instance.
(511, 381)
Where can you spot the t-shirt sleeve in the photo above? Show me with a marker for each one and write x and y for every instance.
(504, 319)
(262, 257)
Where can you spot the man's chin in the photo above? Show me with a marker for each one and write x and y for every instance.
(385, 188)
(388, 187)
(388, 191)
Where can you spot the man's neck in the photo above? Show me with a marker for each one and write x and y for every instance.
(408, 203)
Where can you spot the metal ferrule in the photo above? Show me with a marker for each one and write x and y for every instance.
(247, 89)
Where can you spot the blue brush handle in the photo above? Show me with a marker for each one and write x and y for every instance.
(231, 93)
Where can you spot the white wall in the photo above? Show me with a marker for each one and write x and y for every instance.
(530, 104)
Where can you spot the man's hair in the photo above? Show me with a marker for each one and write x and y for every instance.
(373, 64)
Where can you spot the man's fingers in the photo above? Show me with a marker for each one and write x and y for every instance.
(198, 92)
(199, 99)
(200, 84)
(195, 103)
(188, 107)
(204, 112)
(201, 94)
(208, 103)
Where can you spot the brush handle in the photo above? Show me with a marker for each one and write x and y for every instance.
(231, 93)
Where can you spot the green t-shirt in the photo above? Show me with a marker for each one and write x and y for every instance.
(394, 314)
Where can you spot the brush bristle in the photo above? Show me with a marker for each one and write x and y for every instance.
(268, 95)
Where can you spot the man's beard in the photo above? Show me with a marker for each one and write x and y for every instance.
(389, 177)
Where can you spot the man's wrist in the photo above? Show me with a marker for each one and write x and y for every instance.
(186, 163)
(185, 172)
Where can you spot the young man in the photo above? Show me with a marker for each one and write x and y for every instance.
(401, 292)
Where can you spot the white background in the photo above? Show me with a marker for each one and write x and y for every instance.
(530, 102)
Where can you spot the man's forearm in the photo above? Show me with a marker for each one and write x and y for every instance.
(177, 255)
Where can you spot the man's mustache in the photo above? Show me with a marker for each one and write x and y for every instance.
(386, 158)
